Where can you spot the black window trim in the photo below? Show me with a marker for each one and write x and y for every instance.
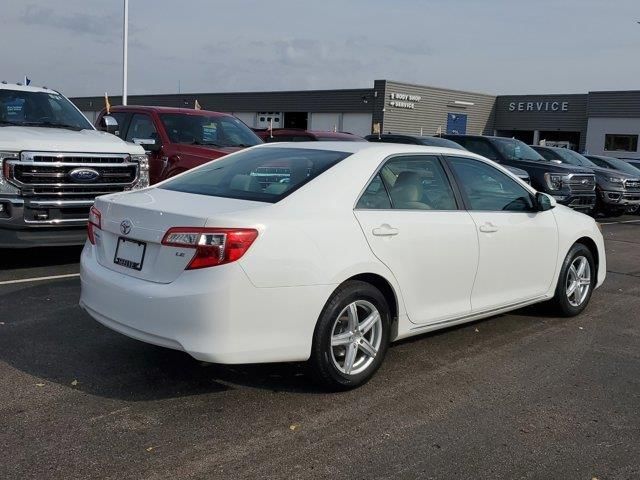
(460, 206)
(465, 200)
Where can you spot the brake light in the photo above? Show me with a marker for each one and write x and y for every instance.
(95, 221)
(213, 246)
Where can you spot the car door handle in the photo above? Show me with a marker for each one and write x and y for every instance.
(385, 231)
(488, 228)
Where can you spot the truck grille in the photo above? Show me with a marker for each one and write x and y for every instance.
(582, 183)
(632, 185)
(73, 158)
(72, 173)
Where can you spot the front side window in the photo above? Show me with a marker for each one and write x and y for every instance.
(120, 118)
(488, 189)
(218, 131)
(141, 127)
(262, 175)
(412, 182)
(620, 143)
(40, 109)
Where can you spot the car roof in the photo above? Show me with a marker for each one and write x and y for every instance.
(355, 147)
(151, 108)
(25, 88)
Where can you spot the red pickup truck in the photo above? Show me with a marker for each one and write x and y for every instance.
(177, 139)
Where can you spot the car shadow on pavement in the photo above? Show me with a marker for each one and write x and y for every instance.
(38, 257)
(59, 343)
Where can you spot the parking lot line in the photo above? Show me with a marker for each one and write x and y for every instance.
(39, 279)
(623, 221)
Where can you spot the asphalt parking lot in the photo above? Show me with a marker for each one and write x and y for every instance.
(523, 395)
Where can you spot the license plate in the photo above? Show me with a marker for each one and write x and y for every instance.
(130, 253)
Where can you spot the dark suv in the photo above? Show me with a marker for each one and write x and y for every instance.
(569, 185)
(617, 190)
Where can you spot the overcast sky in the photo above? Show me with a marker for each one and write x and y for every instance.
(492, 46)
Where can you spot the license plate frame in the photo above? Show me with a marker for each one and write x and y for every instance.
(130, 262)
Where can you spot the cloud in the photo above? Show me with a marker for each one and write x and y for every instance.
(80, 23)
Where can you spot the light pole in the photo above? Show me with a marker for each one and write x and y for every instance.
(125, 41)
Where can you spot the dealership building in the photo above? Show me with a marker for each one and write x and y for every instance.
(605, 122)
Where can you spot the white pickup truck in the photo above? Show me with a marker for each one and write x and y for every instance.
(53, 163)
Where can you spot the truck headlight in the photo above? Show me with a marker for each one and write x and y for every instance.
(617, 180)
(143, 170)
(5, 186)
(555, 181)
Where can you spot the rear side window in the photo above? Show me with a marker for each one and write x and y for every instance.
(263, 174)
(412, 182)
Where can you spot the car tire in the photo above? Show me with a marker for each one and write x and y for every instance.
(351, 337)
(576, 282)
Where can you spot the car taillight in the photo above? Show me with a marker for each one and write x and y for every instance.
(95, 221)
(214, 246)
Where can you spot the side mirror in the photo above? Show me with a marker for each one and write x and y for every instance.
(149, 144)
(544, 202)
(108, 124)
(559, 162)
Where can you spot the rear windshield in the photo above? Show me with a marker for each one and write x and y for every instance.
(261, 174)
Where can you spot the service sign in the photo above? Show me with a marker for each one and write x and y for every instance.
(539, 106)
(404, 100)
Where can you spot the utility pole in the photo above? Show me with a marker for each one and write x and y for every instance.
(125, 41)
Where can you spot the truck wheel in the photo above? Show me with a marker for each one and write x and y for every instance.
(351, 336)
(576, 282)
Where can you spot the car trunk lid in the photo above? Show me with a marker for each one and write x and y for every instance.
(134, 224)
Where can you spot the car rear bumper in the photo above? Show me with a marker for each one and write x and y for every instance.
(214, 314)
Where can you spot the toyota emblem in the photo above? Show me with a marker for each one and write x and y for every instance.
(125, 227)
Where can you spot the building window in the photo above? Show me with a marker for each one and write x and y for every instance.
(621, 143)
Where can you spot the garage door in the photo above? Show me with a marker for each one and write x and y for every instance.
(357, 123)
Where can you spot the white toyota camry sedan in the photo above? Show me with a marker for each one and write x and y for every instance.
(327, 252)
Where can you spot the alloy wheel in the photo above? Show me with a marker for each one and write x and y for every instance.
(578, 281)
(356, 337)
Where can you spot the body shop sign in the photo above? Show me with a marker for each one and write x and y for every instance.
(404, 100)
(544, 106)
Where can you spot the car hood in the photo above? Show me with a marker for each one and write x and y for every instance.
(548, 166)
(17, 139)
(608, 172)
